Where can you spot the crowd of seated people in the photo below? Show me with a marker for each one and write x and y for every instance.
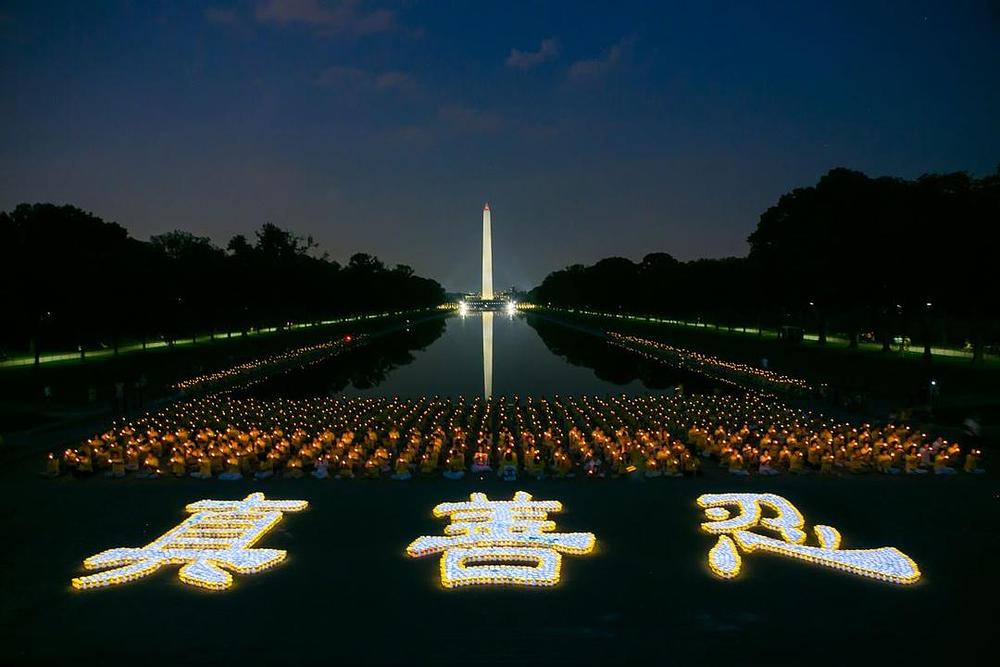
(368, 438)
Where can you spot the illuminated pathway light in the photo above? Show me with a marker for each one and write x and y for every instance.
(500, 542)
(217, 535)
(885, 563)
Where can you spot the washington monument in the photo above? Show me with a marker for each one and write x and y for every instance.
(487, 256)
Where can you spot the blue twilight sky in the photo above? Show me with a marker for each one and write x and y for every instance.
(593, 129)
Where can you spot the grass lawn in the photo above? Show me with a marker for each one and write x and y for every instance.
(347, 593)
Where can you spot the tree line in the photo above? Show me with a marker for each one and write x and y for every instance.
(882, 258)
(70, 279)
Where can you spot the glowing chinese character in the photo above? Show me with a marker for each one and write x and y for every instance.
(217, 535)
(500, 542)
(885, 563)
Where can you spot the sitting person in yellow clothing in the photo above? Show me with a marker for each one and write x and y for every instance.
(883, 463)
(456, 465)
(132, 459)
(972, 462)
(345, 468)
(508, 465)
(232, 471)
(840, 457)
(178, 467)
(784, 457)
(814, 455)
(428, 462)
(797, 463)
(690, 464)
(83, 465)
(293, 469)
(856, 464)
(117, 466)
(954, 451)
(52, 466)
(942, 464)
(764, 467)
(204, 470)
(672, 467)
(481, 460)
(265, 468)
(402, 470)
(826, 464)
(736, 464)
(373, 468)
(651, 467)
(619, 465)
(562, 464)
(150, 466)
(662, 455)
(533, 465)
(911, 463)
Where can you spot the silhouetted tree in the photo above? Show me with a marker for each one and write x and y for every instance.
(68, 278)
(883, 256)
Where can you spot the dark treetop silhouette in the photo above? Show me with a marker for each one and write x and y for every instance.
(69, 278)
(852, 253)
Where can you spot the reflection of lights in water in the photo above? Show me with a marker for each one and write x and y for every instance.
(487, 354)
(511, 307)
(463, 308)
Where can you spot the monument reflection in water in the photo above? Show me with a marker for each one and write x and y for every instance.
(486, 303)
(487, 354)
(487, 316)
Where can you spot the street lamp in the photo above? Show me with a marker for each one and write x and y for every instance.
(927, 330)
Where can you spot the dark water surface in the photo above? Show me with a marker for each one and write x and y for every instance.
(477, 354)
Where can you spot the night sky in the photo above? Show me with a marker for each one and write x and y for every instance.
(592, 129)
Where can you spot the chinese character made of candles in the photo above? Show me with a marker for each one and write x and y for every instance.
(500, 542)
(885, 563)
(217, 535)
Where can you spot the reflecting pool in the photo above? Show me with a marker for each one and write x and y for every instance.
(482, 354)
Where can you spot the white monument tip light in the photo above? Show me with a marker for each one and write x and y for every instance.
(506, 542)
(215, 538)
(885, 563)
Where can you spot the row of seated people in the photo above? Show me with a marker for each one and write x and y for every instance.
(235, 454)
(885, 450)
